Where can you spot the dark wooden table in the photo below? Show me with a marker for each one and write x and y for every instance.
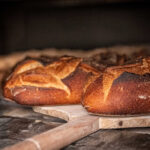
(18, 123)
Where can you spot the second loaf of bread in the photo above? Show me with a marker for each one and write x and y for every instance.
(120, 90)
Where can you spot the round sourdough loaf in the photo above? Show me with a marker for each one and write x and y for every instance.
(120, 90)
(45, 82)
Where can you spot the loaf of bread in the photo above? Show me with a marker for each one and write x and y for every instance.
(51, 81)
(120, 90)
(115, 90)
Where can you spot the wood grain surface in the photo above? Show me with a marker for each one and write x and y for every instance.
(80, 124)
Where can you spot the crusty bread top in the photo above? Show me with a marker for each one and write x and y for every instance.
(32, 72)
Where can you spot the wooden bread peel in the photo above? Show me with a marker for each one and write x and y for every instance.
(79, 124)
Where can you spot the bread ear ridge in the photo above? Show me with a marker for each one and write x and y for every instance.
(27, 65)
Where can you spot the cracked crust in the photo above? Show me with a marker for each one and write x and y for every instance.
(62, 81)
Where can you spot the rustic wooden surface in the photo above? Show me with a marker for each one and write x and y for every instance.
(18, 123)
(15, 126)
(125, 139)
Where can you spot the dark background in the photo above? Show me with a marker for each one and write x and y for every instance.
(72, 24)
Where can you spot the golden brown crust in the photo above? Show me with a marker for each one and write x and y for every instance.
(60, 82)
(120, 90)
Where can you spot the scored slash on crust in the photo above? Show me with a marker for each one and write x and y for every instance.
(56, 77)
